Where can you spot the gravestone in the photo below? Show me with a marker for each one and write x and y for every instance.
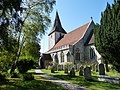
(87, 73)
(101, 69)
(81, 71)
(72, 72)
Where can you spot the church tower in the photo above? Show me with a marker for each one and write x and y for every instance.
(56, 33)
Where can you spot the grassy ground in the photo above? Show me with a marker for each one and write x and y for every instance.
(37, 84)
(91, 85)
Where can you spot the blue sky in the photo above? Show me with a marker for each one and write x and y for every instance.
(74, 13)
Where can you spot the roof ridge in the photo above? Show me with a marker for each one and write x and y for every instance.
(74, 36)
(84, 32)
(78, 27)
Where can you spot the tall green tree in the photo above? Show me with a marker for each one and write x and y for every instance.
(107, 34)
(8, 14)
(17, 14)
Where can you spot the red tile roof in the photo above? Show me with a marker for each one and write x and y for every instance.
(72, 37)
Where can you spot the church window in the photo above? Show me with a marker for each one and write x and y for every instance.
(68, 57)
(92, 53)
(56, 58)
(62, 57)
(77, 54)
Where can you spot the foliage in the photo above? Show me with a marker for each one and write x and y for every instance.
(2, 76)
(31, 49)
(27, 77)
(107, 35)
(5, 60)
(52, 68)
(24, 65)
(37, 84)
(22, 21)
(15, 75)
(69, 65)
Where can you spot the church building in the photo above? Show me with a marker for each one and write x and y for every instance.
(76, 46)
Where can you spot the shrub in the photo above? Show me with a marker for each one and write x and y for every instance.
(59, 67)
(24, 65)
(52, 68)
(14, 75)
(27, 77)
(67, 66)
(2, 76)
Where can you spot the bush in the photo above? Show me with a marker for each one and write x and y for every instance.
(67, 66)
(14, 75)
(27, 77)
(24, 65)
(2, 77)
(60, 67)
(52, 68)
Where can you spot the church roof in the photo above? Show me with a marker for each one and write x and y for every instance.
(73, 37)
(57, 25)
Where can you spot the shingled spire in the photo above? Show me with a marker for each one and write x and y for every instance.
(57, 27)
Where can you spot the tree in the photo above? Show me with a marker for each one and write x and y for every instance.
(20, 13)
(107, 35)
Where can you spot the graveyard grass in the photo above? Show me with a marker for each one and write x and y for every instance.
(37, 84)
(90, 85)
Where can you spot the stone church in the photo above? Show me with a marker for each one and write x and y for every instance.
(76, 46)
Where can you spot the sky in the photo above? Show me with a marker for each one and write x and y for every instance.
(75, 13)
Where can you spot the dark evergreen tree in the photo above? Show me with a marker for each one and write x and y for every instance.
(107, 35)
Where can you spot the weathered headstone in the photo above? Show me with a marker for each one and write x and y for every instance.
(81, 71)
(87, 73)
(72, 72)
(101, 69)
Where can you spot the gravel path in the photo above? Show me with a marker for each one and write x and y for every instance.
(57, 81)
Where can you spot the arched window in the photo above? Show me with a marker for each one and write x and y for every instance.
(92, 53)
(77, 54)
(56, 58)
(62, 56)
(68, 57)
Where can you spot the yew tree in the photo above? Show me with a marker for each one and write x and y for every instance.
(107, 34)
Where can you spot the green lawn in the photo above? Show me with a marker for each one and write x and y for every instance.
(37, 84)
(91, 85)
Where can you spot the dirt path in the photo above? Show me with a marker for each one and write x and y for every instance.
(57, 81)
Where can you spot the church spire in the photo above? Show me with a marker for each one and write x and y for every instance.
(57, 25)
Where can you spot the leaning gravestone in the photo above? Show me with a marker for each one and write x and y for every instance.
(101, 69)
(72, 72)
(81, 71)
(87, 73)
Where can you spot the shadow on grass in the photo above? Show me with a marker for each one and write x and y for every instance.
(29, 85)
